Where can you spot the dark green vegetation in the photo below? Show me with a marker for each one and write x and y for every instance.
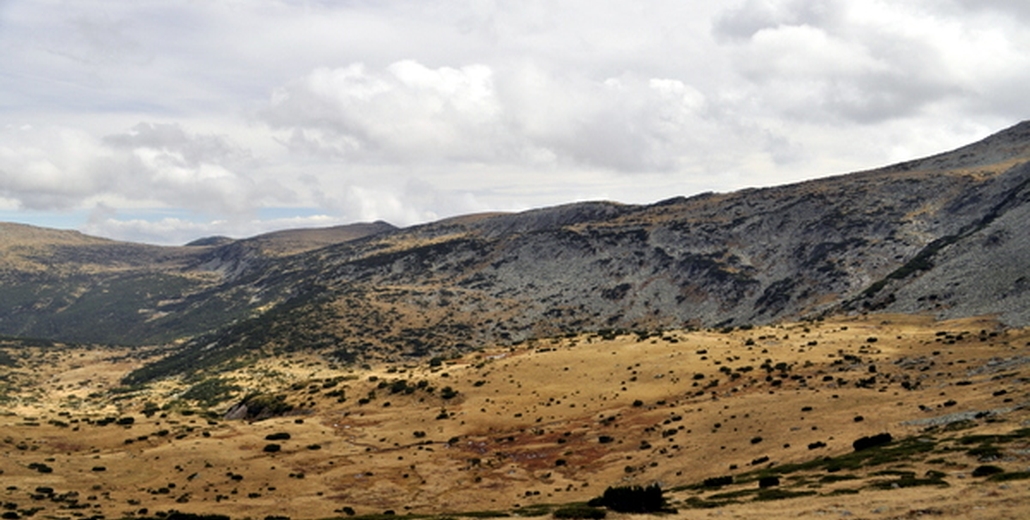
(878, 463)
(94, 308)
(631, 499)
(261, 406)
(177, 515)
(243, 341)
(7, 360)
(210, 392)
(580, 511)
(865, 443)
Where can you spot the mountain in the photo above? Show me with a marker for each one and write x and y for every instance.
(292, 241)
(69, 286)
(944, 236)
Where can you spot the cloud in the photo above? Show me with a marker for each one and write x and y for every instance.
(43, 168)
(842, 63)
(172, 139)
(157, 164)
(626, 123)
(202, 172)
(1002, 8)
(410, 111)
(806, 73)
(407, 112)
(744, 21)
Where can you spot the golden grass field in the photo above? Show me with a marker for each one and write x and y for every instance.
(545, 423)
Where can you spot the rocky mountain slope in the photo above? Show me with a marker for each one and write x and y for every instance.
(69, 286)
(942, 235)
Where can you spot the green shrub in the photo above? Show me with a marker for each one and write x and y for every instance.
(985, 471)
(864, 443)
(631, 499)
(700, 503)
(210, 391)
(780, 494)
(905, 482)
(580, 511)
(260, 406)
(985, 452)
(176, 515)
(7, 360)
(1006, 477)
(715, 482)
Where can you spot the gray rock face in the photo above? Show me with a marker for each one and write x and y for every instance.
(985, 271)
(946, 235)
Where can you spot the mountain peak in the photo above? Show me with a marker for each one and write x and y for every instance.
(992, 154)
(217, 240)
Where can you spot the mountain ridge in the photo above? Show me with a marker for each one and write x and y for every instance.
(912, 237)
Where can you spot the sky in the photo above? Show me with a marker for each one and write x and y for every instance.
(167, 121)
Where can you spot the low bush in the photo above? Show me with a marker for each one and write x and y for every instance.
(984, 471)
(715, 482)
(781, 494)
(865, 443)
(631, 499)
(580, 511)
(176, 515)
(1006, 477)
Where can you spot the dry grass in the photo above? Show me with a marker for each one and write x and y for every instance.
(547, 422)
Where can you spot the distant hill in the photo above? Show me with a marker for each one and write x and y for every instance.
(69, 286)
(943, 236)
(290, 241)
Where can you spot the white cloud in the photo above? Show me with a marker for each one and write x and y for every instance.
(804, 51)
(1005, 9)
(626, 123)
(752, 16)
(409, 111)
(822, 61)
(406, 112)
(42, 168)
(162, 165)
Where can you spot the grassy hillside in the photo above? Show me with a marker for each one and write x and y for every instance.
(755, 421)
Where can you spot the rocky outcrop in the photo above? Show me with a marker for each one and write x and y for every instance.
(943, 235)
